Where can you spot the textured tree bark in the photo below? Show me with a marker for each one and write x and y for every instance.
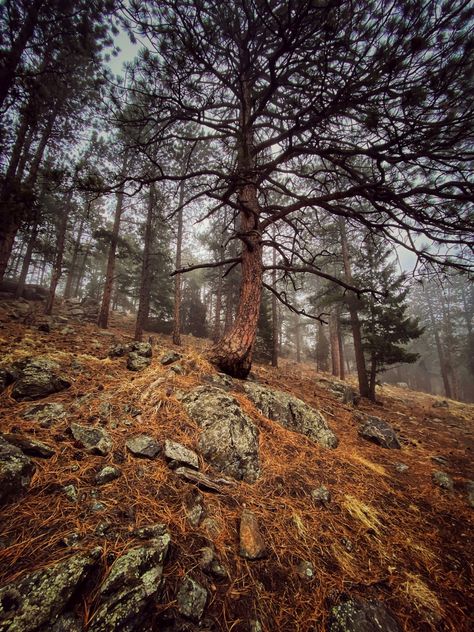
(58, 261)
(103, 319)
(177, 280)
(145, 282)
(364, 389)
(274, 314)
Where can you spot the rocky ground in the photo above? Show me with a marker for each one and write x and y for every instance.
(141, 490)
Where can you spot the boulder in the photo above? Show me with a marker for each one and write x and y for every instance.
(229, 439)
(191, 599)
(177, 455)
(39, 378)
(95, 440)
(443, 480)
(39, 598)
(143, 349)
(357, 615)
(118, 350)
(16, 471)
(133, 585)
(136, 362)
(107, 474)
(170, 357)
(32, 447)
(252, 544)
(380, 432)
(143, 446)
(292, 413)
(45, 414)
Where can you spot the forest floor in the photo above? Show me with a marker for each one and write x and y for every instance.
(388, 535)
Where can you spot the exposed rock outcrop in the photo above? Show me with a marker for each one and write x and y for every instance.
(292, 413)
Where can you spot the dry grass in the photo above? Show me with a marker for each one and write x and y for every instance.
(383, 536)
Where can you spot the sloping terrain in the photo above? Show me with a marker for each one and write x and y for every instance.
(384, 532)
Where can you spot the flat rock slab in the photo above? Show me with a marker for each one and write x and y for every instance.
(32, 447)
(143, 446)
(108, 474)
(16, 471)
(131, 588)
(191, 599)
(292, 413)
(252, 544)
(45, 414)
(201, 480)
(170, 357)
(95, 440)
(41, 597)
(380, 432)
(38, 378)
(177, 455)
(229, 439)
(362, 616)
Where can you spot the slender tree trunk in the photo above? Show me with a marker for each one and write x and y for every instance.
(340, 346)
(75, 254)
(439, 348)
(27, 260)
(82, 270)
(373, 375)
(274, 313)
(297, 326)
(334, 342)
(178, 282)
(354, 316)
(145, 283)
(13, 56)
(109, 274)
(58, 261)
(218, 309)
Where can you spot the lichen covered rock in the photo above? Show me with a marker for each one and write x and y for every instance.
(292, 413)
(95, 440)
(16, 471)
(143, 446)
(380, 432)
(362, 616)
(229, 438)
(191, 599)
(38, 378)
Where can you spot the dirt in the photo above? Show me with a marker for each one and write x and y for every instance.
(385, 534)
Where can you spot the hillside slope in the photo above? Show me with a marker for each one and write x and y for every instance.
(358, 522)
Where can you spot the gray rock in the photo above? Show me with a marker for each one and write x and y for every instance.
(177, 454)
(71, 493)
(95, 440)
(191, 599)
(177, 369)
(32, 447)
(119, 350)
(136, 362)
(107, 474)
(194, 507)
(221, 380)
(151, 531)
(38, 599)
(350, 396)
(321, 495)
(252, 544)
(292, 413)
(305, 570)
(470, 493)
(66, 623)
(143, 349)
(45, 414)
(255, 626)
(16, 471)
(144, 446)
(96, 506)
(170, 357)
(132, 586)
(229, 438)
(380, 432)
(402, 385)
(39, 378)
(440, 404)
(206, 482)
(209, 563)
(401, 467)
(357, 615)
(443, 480)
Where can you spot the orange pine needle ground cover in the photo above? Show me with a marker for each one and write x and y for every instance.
(385, 534)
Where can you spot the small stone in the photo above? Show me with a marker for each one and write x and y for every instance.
(136, 362)
(97, 506)
(191, 599)
(151, 531)
(95, 440)
(211, 528)
(177, 455)
(401, 467)
(45, 414)
(305, 570)
(143, 446)
(380, 432)
(209, 563)
(252, 544)
(347, 544)
(143, 349)
(32, 447)
(169, 358)
(440, 404)
(71, 493)
(443, 480)
(321, 495)
(16, 471)
(119, 350)
(177, 369)
(194, 507)
(107, 474)
(350, 396)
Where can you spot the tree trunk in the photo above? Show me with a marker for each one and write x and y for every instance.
(13, 57)
(58, 261)
(218, 310)
(82, 270)
(177, 280)
(274, 314)
(27, 260)
(145, 282)
(439, 348)
(354, 316)
(334, 342)
(75, 254)
(109, 274)
(373, 375)
(340, 346)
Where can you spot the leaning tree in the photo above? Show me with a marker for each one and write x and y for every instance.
(361, 110)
